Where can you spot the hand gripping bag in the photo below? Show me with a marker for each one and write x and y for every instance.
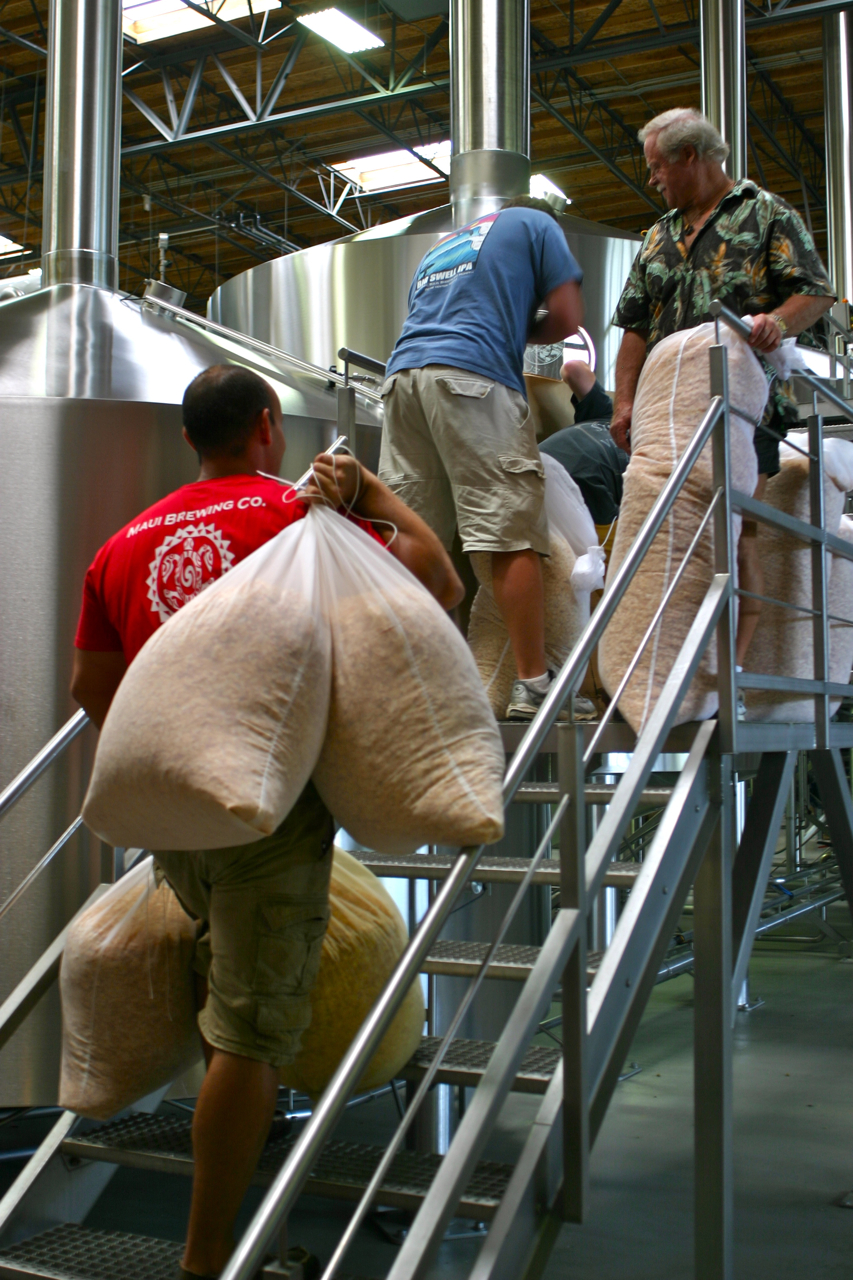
(364, 940)
(128, 997)
(218, 723)
(566, 615)
(783, 643)
(672, 398)
(412, 754)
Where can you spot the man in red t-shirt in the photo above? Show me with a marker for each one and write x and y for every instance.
(262, 907)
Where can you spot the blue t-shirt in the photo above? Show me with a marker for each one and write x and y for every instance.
(475, 295)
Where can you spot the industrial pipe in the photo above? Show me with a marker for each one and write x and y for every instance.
(82, 143)
(838, 117)
(489, 104)
(724, 76)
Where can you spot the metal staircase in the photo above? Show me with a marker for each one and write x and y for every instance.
(695, 846)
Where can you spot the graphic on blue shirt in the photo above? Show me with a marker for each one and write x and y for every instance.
(455, 255)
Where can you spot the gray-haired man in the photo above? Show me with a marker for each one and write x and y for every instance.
(727, 240)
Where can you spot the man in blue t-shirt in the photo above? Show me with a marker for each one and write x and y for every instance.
(459, 446)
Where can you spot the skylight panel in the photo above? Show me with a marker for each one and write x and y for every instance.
(341, 31)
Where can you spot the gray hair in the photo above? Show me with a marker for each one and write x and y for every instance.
(684, 127)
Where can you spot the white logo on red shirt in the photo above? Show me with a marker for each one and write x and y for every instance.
(185, 564)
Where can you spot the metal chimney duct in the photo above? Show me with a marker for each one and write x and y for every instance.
(724, 76)
(489, 104)
(838, 115)
(82, 144)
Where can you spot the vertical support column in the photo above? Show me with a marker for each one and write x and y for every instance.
(573, 894)
(346, 416)
(724, 76)
(724, 553)
(838, 118)
(712, 971)
(820, 625)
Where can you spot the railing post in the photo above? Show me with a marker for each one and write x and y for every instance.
(820, 629)
(712, 988)
(573, 894)
(724, 552)
(346, 415)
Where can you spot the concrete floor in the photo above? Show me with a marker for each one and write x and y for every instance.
(793, 1146)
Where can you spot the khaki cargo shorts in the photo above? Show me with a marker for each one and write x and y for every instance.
(460, 450)
(265, 907)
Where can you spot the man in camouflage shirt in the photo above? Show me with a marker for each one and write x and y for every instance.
(727, 240)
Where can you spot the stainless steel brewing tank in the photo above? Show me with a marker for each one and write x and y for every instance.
(90, 434)
(354, 292)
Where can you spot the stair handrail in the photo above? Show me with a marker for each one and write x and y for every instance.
(51, 751)
(290, 1179)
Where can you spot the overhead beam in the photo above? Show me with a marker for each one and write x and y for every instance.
(272, 178)
(312, 111)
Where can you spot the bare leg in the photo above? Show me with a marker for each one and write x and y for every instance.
(233, 1115)
(750, 578)
(520, 597)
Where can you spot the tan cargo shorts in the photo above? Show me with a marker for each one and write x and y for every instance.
(265, 907)
(460, 450)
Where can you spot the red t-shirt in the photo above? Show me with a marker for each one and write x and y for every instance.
(169, 553)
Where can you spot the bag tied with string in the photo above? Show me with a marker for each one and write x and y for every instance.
(128, 997)
(412, 754)
(218, 723)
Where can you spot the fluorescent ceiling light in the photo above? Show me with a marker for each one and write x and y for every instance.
(542, 187)
(8, 247)
(155, 19)
(341, 31)
(395, 169)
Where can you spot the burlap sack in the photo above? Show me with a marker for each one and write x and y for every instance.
(566, 615)
(364, 940)
(672, 398)
(128, 998)
(412, 754)
(782, 644)
(216, 726)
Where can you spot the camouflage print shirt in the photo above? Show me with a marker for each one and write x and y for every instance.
(753, 253)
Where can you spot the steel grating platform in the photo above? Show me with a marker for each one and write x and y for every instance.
(163, 1144)
(463, 960)
(437, 866)
(69, 1252)
(466, 1060)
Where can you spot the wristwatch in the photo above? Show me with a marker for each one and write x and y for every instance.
(779, 322)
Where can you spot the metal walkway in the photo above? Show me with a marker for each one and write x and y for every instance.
(690, 845)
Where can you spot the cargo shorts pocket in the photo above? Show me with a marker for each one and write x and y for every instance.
(476, 388)
(290, 940)
(388, 385)
(518, 466)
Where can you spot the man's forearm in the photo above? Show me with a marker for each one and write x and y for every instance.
(415, 544)
(801, 311)
(629, 364)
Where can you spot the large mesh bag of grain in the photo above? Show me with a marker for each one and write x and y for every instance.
(412, 754)
(566, 615)
(672, 398)
(783, 643)
(218, 723)
(128, 997)
(364, 940)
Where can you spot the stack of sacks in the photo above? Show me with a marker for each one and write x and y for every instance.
(672, 398)
(128, 997)
(319, 655)
(566, 615)
(782, 644)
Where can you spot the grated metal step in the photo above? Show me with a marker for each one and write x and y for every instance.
(163, 1144)
(69, 1252)
(466, 1060)
(463, 960)
(437, 866)
(594, 793)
